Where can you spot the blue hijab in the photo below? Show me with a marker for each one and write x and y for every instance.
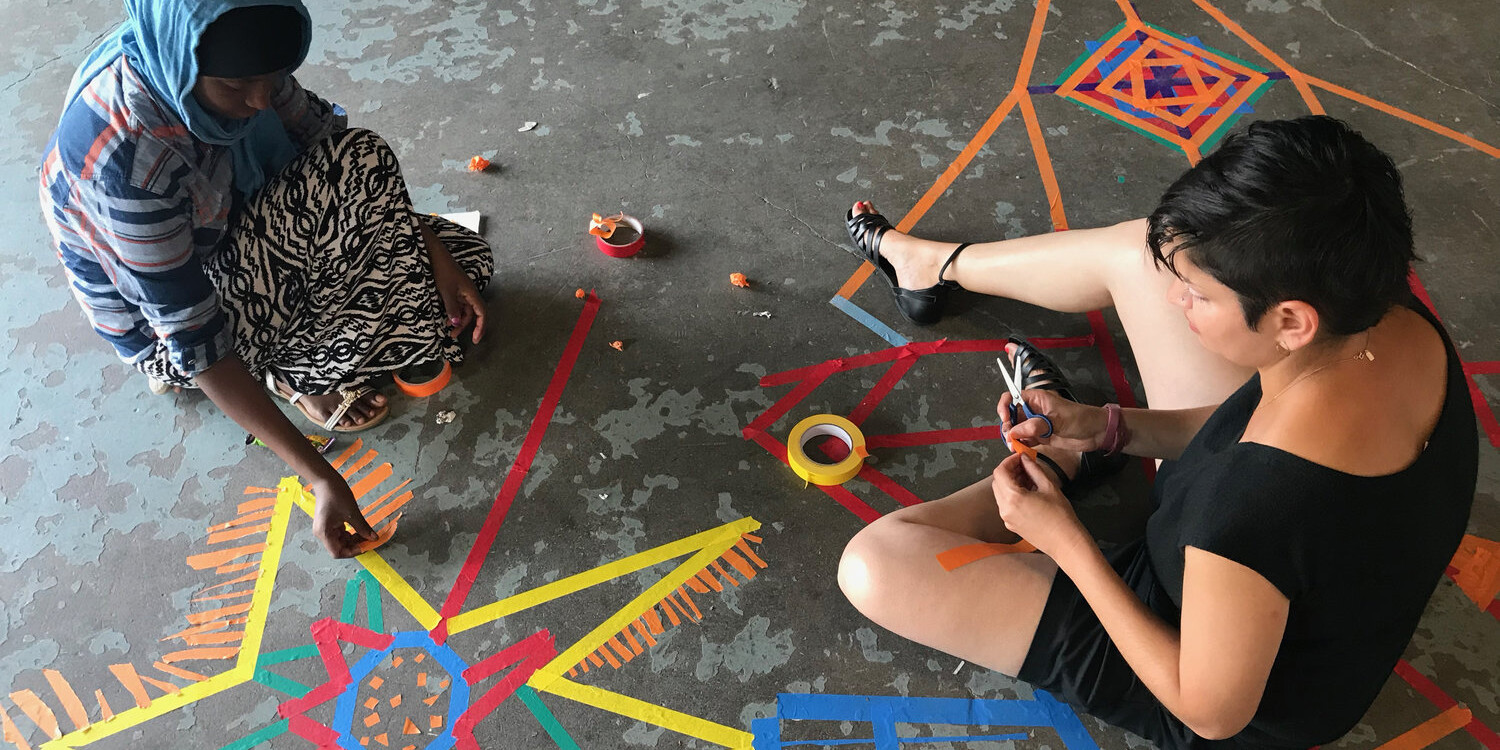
(159, 40)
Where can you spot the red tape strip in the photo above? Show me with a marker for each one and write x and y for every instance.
(1440, 699)
(882, 387)
(934, 437)
(491, 528)
(791, 399)
(889, 486)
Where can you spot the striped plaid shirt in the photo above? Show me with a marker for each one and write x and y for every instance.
(135, 204)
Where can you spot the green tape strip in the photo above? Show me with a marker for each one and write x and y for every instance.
(287, 654)
(351, 598)
(251, 740)
(546, 719)
(374, 612)
(284, 684)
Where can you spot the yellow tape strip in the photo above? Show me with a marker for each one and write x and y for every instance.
(725, 538)
(650, 713)
(389, 579)
(606, 572)
(244, 668)
(818, 472)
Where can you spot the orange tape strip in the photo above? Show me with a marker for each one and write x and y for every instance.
(230, 595)
(243, 519)
(262, 490)
(127, 676)
(210, 559)
(339, 460)
(1478, 564)
(738, 563)
(1432, 730)
(724, 574)
(1404, 115)
(33, 707)
(237, 567)
(104, 709)
(635, 645)
(708, 578)
(423, 390)
(644, 633)
(958, 557)
(1044, 164)
(1297, 78)
(358, 464)
(653, 622)
(1028, 57)
(186, 674)
(207, 627)
(249, 505)
(670, 607)
(375, 477)
(750, 553)
(389, 508)
(381, 536)
(225, 652)
(65, 694)
(198, 618)
(689, 599)
(231, 534)
(614, 643)
(165, 687)
(10, 733)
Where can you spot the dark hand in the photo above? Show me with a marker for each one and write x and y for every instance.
(336, 506)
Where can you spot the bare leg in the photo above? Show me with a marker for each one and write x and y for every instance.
(1077, 271)
(985, 612)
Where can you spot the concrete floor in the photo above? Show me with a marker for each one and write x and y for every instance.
(739, 132)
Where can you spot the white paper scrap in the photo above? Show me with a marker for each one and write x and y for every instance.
(469, 220)
(528, 126)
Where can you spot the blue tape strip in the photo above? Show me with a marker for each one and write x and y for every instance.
(914, 740)
(883, 721)
(868, 321)
(766, 734)
(884, 712)
(1069, 728)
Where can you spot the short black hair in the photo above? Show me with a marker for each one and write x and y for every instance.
(1303, 209)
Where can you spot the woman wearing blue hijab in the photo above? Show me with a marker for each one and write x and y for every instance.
(223, 229)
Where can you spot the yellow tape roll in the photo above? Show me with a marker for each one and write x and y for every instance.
(819, 425)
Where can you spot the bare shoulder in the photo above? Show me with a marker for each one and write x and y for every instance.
(1369, 418)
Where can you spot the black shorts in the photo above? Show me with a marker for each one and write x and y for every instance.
(1072, 657)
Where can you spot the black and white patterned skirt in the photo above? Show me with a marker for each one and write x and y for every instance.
(325, 278)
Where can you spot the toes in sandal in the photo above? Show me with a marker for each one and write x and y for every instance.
(1039, 372)
(348, 396)
(920, 306)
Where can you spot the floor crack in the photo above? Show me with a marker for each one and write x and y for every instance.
(1317, 4)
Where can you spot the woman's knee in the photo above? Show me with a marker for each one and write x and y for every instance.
(865, 567)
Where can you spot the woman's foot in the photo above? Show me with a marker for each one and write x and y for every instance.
(319, 409)
(915, 260)
(1064, 461)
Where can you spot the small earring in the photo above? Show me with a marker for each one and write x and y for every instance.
(1282, 350)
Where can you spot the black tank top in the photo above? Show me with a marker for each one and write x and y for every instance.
(1357, 556)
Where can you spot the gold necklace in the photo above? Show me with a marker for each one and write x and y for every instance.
(1364, 354)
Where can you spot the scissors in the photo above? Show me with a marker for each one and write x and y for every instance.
(1017, 401)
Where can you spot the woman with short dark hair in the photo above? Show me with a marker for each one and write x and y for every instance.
(223, 230)
(1301, 518)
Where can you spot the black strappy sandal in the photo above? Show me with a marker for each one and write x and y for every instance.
(920, 306)
(1040, 373)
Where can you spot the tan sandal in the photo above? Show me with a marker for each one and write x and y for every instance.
(349, 397)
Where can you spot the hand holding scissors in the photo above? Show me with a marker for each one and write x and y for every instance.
(1018, 406)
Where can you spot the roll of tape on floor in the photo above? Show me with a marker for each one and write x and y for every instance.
(831, 425)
